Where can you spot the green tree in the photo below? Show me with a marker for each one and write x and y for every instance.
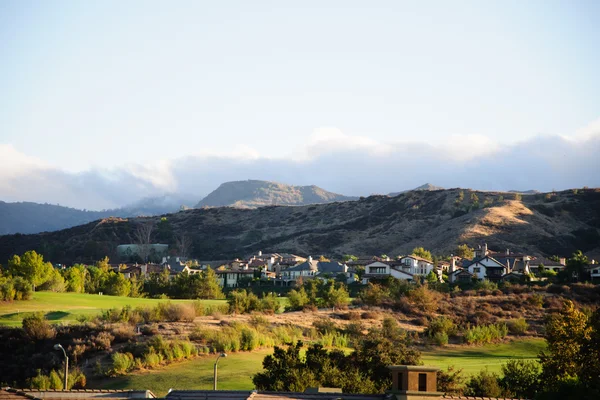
(30, 266)
(485, 384)
(337, 296)
(117, 285)
(465, 251)
(298, 299)
(566, 334)
(421, 252)
(575, 267)
(209, 287)
(432, 277)
(521, 378)
(349, 257)
(75, 278)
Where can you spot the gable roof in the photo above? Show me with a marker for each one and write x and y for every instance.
(479, 259)
(73, 394)
(418, 258)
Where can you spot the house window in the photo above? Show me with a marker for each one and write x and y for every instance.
(377, 270)
(407, 261)
(422, 382)
(401, 381)
(477, 270)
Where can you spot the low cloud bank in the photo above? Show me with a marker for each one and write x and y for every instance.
(332, 160)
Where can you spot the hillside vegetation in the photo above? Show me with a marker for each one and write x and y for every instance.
(543, 224)
(255, 193)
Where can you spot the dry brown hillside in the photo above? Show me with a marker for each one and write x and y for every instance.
(554, 223)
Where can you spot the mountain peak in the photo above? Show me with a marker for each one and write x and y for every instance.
(256, 193)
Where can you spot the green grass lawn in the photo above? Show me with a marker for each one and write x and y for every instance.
(66, 307)
(236, 371)
(473, 359)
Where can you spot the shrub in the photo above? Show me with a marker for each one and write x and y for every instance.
(370, 315)
(325, 325)
(177, 312)
(152, 359)
(269, 304)
(536, 299)
(517, 326)
(440, 338)
(123, 332)
(485, 334)
(484, 383)
(36, 327)
(103, 340)
(441, 325)
(121, 363)
(257, 320)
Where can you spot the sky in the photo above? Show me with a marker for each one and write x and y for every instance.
(103, 103)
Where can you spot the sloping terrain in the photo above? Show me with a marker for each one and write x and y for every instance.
(255, 193)
(28, 217)
(544, 224)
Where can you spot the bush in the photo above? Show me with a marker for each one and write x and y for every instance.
(536, 299)
(152, 359)
(325, 325)
(121, 364)
(103, 340)
(440, 338)
(177, 312)
(484, 383)
(441, 325)
(485, 334)
(36, 327)
(517, 326)
(123, 332)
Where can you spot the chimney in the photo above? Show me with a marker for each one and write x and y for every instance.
(260, 253)
(508, 252)
(485, 250)
(144, 270)
(309, 259)
(452, 264)
(563, 261)
(414, 382)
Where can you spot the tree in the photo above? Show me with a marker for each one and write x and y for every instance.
(465, 251)
(349, 257)
(322, 258)
(184, 245)
(575, 267)
(298, 299)
(36, 327)
(566, 334)
(451, 381)
(209, 285)
(421, 252)
(75, 278)
(143, 239)
(336, 297)
(485, 384)
(30, 266)
(117, 285)
(432, 277)
(521, 377)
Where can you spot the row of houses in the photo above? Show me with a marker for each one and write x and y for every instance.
(286, 269)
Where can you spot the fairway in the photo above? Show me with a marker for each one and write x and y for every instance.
(474, 359)
(66, 307)
(236, 371)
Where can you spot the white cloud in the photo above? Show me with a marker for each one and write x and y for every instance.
(331, 159)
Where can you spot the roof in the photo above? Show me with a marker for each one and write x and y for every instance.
(35, 394)
(478, 260)
(418, 258)
(546, 261)
(308, 265)
(256, 395)
(330, 267)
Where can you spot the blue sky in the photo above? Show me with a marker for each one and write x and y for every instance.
(138, 88)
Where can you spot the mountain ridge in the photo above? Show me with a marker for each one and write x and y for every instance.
(545, 224)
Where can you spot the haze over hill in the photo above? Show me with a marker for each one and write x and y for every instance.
(28, 217)
(257, 193)
(544, 224)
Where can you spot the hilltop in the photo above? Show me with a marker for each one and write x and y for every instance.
(544, 224)
(427, 186)
(257, 193)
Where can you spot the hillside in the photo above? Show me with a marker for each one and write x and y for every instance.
(28, 217)
(427, 186)
(538, 224)
(256, 193)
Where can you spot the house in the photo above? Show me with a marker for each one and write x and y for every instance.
(382, 270)
(486, 267)
(548, 264)
(416, 265)
(313, 269)
(73, 394)
(594, 270)
(232, 278)
(458, 274)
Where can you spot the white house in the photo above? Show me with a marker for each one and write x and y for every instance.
(486, 267)
(231, 278)
(381, 270)
(416, 265)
